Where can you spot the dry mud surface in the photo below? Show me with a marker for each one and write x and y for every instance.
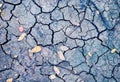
(59, 40)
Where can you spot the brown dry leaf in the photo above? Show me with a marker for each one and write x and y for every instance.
(22, 36)
(36, 49)
(9, 80)
(113, 50)
(60, 54)
(2, 13)
(52, 76)
(57, 71)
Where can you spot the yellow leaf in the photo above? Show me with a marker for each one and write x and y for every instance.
(36, 49)
(22, 36)
(57, 71)
(52, 76)
(113, 50)
(9, 80)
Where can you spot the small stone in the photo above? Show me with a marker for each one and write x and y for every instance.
(21, 29)
(36, 49)
(63, 48)
(57, 71)
(76, 23)
(113, 50)
(52, 76)
(15, 56)
(61, 56)
(30, 55)
(97, 12)
(74, 71)
(0, 5)
(82, 81)
(9, 80)
(89, 54)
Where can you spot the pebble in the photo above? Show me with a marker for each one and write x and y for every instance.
(89, 54)
(113, 50)
(57, 71)
(63, 48)
(76, 23)
(15, 56)
(36, 49)
(21, 29)
(74, 71)
(60, 54)
(52, 76)
(9, 80)
(97, 12)
(0, 5)
(82, 81)
(22, 36)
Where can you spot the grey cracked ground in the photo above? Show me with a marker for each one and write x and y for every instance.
(59, 40)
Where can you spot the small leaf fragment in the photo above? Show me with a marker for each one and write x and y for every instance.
(63, 48)
(2, 13)
(57, 71)
(36, 49)
(22, 36)
(60, 54)
(74, 71)
(113, 50)
(52, 76)
(9, 80)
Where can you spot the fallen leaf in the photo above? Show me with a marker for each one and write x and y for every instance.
(113, 50)
(74, 71)
(22, 36)
(52, 76)
(36, 49)
(64, 48)
(60, 54)
(2, 13)
(9, 80)
(57, 71)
